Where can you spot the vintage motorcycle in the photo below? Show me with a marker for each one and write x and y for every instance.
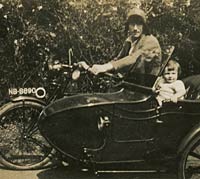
(21, 145)
(125, 130)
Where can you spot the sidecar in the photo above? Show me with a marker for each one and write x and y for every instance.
(126, 130)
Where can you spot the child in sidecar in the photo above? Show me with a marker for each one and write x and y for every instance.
(168, 87)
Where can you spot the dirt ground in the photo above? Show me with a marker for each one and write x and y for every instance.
(65, 173)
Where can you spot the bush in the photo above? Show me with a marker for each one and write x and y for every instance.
(35, 31)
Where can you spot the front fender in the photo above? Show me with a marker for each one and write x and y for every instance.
(27, 98)
(188, 138)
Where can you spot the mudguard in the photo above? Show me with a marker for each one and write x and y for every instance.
(188, 138)
(28, 98)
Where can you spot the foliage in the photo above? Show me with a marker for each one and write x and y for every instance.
(35, 31)
(179, 26)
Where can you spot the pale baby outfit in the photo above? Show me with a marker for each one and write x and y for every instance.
(167, 90)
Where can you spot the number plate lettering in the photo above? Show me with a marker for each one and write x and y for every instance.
(39, 92)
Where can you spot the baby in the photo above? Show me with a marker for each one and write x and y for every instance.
(169, 88)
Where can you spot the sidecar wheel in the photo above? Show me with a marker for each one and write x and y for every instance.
(21, 145)
(189, 165)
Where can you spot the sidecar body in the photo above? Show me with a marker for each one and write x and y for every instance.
(126, 130)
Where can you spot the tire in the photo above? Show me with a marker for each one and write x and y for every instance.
(189, 164)
(22, 147)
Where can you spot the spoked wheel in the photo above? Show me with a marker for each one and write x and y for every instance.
(189, 166)
(21, 145)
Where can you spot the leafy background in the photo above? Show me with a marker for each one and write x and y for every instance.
(33, 32)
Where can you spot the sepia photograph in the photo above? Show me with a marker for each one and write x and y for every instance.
(100, 89)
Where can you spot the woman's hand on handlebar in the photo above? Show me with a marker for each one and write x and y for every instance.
(84, 65)
(96, 69)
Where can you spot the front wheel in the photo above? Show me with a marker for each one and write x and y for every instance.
(189, 164)
(22, 146)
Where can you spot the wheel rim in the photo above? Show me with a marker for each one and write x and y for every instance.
(192, 163)
(20, 141)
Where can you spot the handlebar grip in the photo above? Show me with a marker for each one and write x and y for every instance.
(118, 76)
(67, 66)
(108, 74)
(58, 66)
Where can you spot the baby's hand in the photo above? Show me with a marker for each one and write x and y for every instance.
(157, 91)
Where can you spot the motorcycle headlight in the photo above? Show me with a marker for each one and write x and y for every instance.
(76, 74)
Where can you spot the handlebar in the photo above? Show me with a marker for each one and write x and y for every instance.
(74, 71)
(115, 76)
(79, 68)
(75, 74)
(59, 66)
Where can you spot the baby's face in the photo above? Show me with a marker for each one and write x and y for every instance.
(170, 75)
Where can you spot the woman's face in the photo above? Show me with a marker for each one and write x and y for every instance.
(135, 29)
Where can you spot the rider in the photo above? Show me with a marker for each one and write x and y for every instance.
(140, 45)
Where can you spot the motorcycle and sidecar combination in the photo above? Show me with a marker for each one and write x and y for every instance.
(125, 130)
